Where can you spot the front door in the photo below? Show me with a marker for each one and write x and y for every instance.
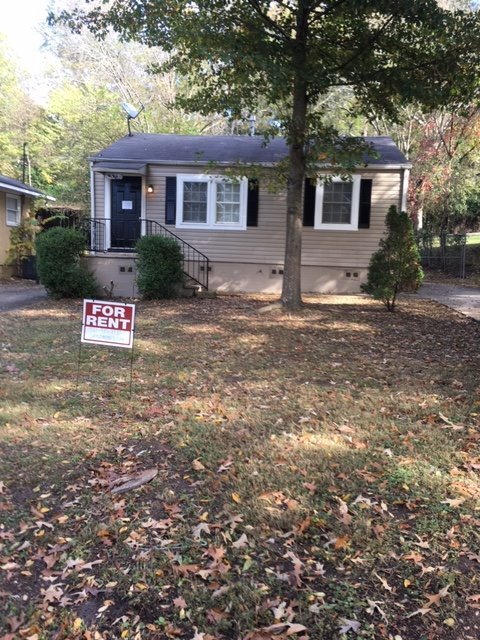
(126, 212)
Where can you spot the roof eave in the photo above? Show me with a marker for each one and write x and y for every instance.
(93, 160)
(26, 192)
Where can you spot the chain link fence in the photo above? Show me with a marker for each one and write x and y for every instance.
(446, 252)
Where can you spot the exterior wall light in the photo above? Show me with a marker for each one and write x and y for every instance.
(150, 188)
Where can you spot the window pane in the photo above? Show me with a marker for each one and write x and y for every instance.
(13, 210)
(195, 201)
(337, 203)
(228, 203)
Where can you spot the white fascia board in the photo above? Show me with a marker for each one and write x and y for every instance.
(213, 163)
(25, 192)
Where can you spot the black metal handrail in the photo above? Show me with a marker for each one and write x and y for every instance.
(196, 265)
(96, 232)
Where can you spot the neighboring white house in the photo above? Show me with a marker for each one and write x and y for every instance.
(232, 231)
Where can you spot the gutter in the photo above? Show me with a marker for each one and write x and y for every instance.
(404, 193)
(25, 192)
(173, 163)
(92, 191)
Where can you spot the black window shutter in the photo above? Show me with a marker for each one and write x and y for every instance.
(309, 203)
(365, 204)
(252, 203)
(170, 200)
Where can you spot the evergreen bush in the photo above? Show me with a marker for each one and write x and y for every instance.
(395, 267)
(58, 264)
(160, 267)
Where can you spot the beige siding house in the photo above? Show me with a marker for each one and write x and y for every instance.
(15, 202)
(232, 230)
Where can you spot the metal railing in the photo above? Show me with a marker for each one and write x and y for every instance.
(196, 265)
(96, 233)
(444, 252)
(124, 234)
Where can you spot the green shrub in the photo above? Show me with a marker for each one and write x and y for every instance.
(58, 264)
(395, 267)
(159, 267)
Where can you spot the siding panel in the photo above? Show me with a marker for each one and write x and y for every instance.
(266, 242)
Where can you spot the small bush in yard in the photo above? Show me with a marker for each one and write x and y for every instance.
(58, 264)
(160, 272)
(395, 267)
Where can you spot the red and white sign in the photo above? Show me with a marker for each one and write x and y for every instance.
(108, 323)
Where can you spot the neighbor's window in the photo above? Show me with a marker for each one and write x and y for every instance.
(212, 202)
(336, 204)
(13, 211)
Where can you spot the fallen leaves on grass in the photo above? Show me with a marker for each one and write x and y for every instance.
(301, 477)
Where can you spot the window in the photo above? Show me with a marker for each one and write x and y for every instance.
(13, 211)
(211, 202)
(336, 204)
(195, 202)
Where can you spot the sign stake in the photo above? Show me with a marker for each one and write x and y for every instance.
(78, 364)
(131, 370)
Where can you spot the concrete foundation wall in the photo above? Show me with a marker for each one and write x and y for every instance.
(228, 277)
(267, 278)
(116, 269)
(7, 271)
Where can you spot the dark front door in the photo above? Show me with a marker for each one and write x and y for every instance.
(126, 211)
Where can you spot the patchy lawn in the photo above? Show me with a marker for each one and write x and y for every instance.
(317, 474)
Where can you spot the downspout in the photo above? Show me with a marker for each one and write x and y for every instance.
(92, 203)
(404, 195)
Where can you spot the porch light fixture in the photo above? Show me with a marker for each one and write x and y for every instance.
(150, 188)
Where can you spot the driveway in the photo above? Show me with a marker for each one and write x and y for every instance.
(24, 293)
(466, 300)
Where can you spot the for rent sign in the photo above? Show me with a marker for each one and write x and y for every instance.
(108, 323)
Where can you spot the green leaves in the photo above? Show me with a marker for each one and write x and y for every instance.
(395, 267)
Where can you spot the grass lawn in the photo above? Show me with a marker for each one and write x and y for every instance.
(317, 474)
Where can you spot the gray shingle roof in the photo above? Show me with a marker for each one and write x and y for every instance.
(16, 186)
(179, 149)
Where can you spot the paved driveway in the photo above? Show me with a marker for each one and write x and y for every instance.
(24, 293)
(466, 300)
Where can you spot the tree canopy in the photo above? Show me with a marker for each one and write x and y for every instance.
(290, 53)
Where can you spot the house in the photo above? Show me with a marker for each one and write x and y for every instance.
(232, 228)
(16, 200)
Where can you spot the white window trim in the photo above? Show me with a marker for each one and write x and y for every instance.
(211, 203)
(19, 210)
(353, 226)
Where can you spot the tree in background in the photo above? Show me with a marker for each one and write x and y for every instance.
(444, 148)
(290, 55)
(17, 110)
(81, 113)
(77, 121)
(445, 172)
(395, 267)
(128, 71)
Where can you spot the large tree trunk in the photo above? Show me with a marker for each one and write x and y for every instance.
(292, 288)
(291, 291)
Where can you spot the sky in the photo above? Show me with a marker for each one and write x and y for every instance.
(20, 19)
(19, 24)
